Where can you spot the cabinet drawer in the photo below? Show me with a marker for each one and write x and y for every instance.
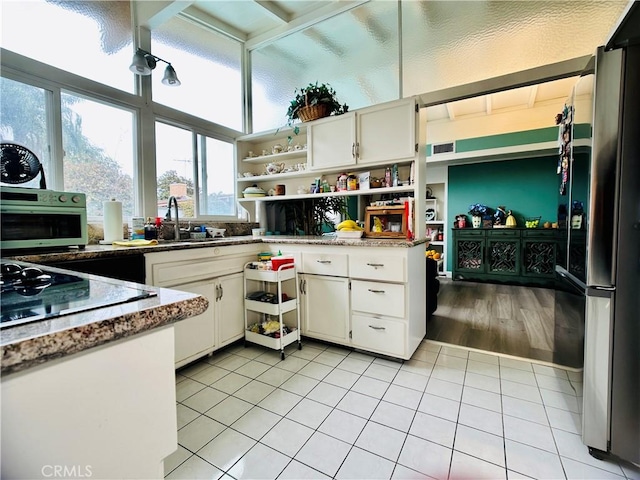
(391, 269)
(379, 298)
(379, 335)
(331, 264)
(468, 232)
(539, 232)
(503, 232)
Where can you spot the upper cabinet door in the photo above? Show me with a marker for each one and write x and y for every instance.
(387, 132)
(332, 142)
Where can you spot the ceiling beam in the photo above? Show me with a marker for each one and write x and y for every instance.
(546, 73)
(300, 22)
(153, 14)
(204, 20)
(274, 10)
(532, 96)
(450, 112)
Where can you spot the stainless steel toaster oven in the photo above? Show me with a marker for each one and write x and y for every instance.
(32, 218)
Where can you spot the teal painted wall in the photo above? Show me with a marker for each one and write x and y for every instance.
(528, 187)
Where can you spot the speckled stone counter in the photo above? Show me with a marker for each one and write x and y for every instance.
(24, 346)
(347, 242)
(105, 251)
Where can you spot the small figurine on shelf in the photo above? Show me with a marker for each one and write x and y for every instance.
(500, 217)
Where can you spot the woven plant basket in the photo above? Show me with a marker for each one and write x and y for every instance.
(314, 112)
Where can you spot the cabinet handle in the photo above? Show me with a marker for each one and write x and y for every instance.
(353, 150)
(221, 292)
(377, 328)
(376, 265)
(324, 262)
(302, 286)
(375, 291)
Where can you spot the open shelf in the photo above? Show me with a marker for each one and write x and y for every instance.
(348, 193)
(277, 156)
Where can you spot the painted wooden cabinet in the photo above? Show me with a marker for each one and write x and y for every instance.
(106, 412)
(371, 298)
(384, 133)
(215, 273)
(514, 255)
(325, 307)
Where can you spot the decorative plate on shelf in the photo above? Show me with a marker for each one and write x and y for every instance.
(430, 214)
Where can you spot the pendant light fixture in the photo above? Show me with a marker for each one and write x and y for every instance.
(144, 62)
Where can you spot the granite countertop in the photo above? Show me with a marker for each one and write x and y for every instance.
(347, 242)
(30, 344)
(105, 251)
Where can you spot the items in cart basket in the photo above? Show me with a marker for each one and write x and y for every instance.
(270, 328)
(267, 297)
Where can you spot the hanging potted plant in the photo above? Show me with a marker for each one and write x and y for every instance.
(314, 101)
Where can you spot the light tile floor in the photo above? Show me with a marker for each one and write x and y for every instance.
(328, 412)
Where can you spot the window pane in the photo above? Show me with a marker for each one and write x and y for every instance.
(217, 177)
(355, 52)
(174, 169)
(23, 119)
(99, 153)
(207, 64)
(92, 39)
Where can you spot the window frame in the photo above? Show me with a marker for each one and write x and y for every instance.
(54, 80)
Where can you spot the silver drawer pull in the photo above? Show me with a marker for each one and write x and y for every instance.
(376, 265)
(377, 328)
(375, 291)
(323, 261)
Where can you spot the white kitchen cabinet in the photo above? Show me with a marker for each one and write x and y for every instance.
(384, 133)
(325, 307)
(332, 142)
(364, 140)
(196, 335)
(387, 132)
(105, 412)
(378, 334)
(215, 273)
(229, 312)
(368, 297)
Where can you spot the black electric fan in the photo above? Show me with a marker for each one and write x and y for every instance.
(19, 164)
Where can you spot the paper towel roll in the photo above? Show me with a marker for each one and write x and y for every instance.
(112, 215)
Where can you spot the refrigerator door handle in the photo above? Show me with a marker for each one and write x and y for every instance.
(606, 288)
(601, 291)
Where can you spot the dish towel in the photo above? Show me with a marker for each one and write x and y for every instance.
(135, 243)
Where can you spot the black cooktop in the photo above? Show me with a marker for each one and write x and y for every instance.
(29, 293)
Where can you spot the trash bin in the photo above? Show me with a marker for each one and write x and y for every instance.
(433, 287)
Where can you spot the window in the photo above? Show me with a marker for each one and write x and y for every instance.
(98, 153)
(355, 52)
(217, 174)
(24, 110)
(176, 175)
(91, 39)
(207, 64)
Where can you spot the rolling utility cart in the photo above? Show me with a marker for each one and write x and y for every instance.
(268, 296)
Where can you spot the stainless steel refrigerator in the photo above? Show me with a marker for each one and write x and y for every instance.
(611, 408)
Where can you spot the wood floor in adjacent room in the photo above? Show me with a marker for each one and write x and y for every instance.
(509, 319)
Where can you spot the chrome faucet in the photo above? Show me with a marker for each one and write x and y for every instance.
(167, 217)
